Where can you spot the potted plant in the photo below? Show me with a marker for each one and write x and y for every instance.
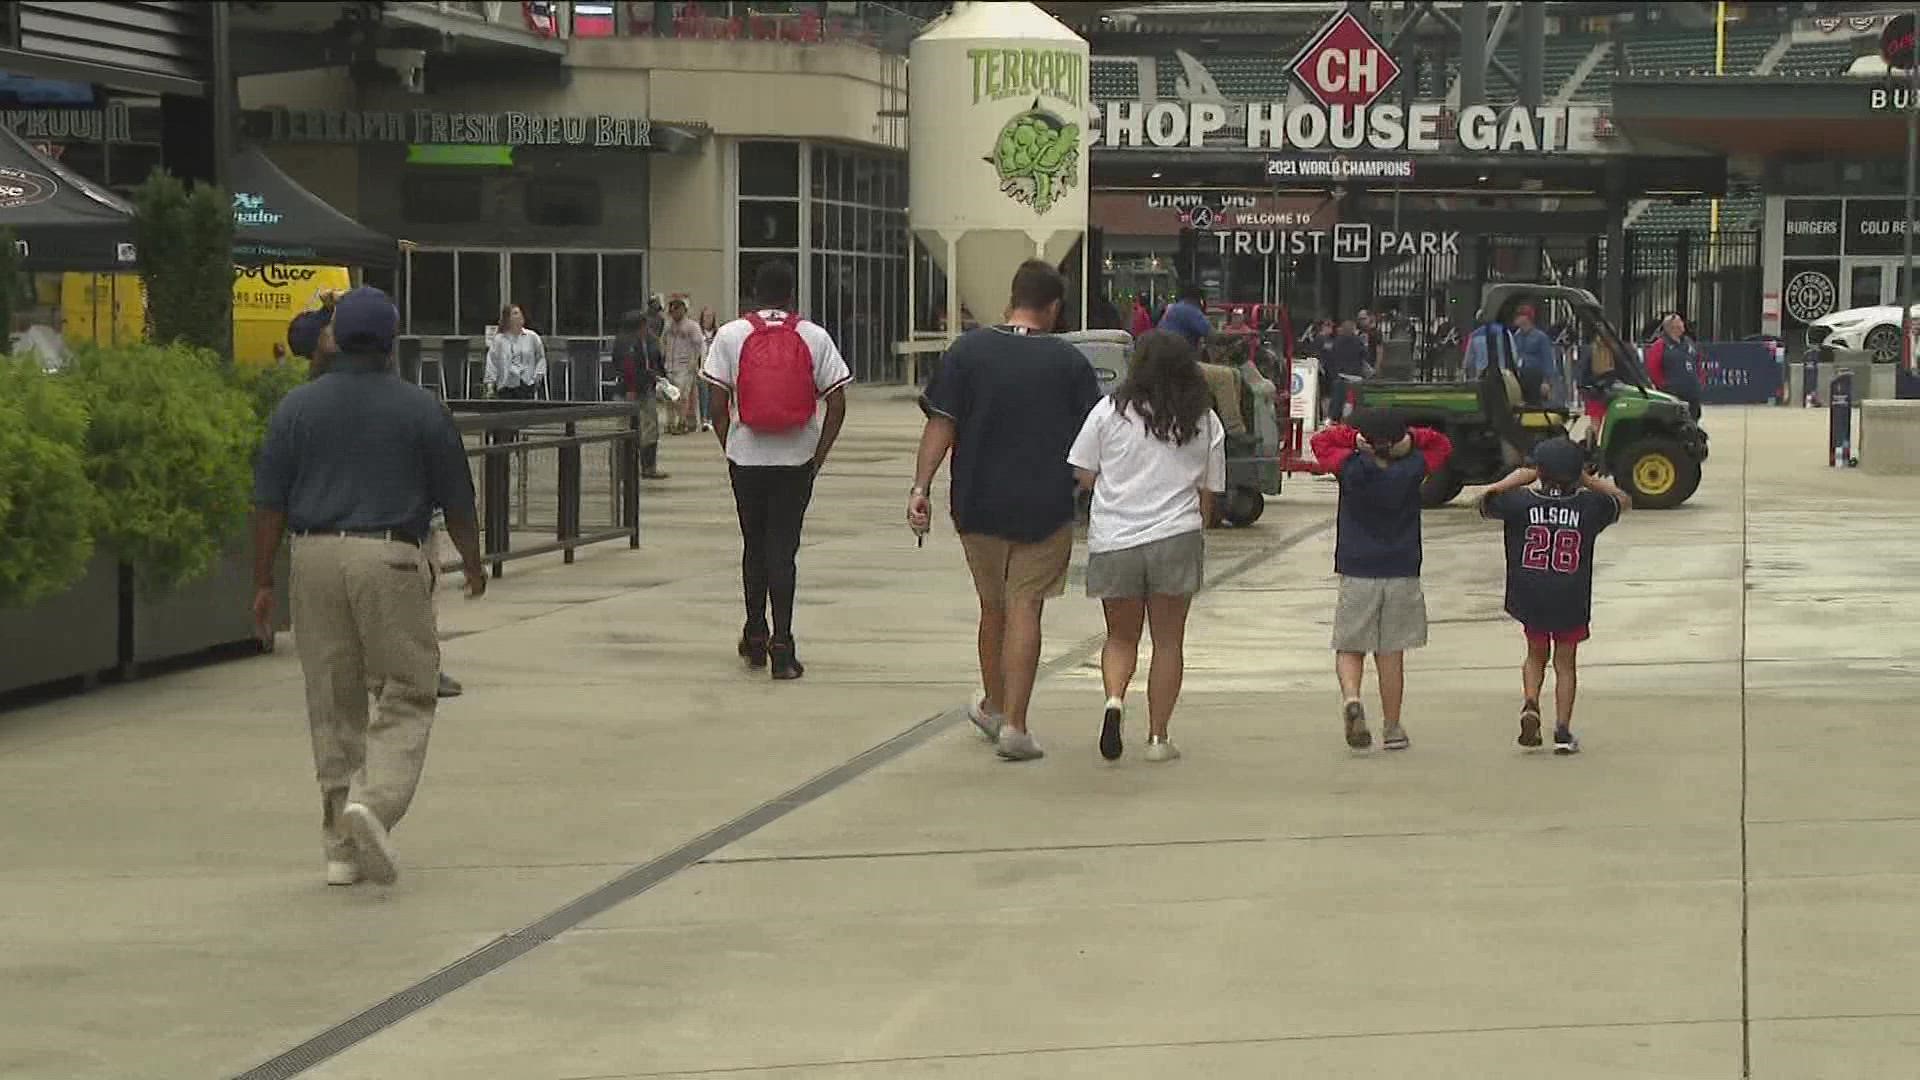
(59, 607)
(170, 450)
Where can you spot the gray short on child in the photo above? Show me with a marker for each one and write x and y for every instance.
(1175, 566)
(1379, 615)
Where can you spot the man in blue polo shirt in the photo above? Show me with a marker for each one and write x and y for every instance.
(354, 464)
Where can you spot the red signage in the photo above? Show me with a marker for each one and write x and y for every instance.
(1344, 64)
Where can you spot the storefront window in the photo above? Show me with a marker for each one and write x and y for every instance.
(479, 292)
(531, 274)
(770, 168)
(768, 223)
(564, 294)
(858, 255)
(623, 287)
(577, 295)
(430, 302)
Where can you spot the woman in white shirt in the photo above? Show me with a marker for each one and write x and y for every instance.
(516, 358)
(1153, 454)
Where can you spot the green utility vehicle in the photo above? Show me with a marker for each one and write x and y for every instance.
(1648, 440)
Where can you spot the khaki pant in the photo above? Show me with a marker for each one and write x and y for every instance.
(363, 617)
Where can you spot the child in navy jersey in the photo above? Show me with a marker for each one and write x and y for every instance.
(1554, 512)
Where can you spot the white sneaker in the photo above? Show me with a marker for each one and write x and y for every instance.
(342, 872)
(989, 723)
(1160, 748)
(1018, 746)
(371, 843)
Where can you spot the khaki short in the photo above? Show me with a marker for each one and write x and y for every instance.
(1005, 571)
(1379, 615)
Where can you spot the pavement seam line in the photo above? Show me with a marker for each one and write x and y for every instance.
(1746, 869)
(511, 946)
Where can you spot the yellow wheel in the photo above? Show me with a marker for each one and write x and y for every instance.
(1653, 475)
(1658, 473)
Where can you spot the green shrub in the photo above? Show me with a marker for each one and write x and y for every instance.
(170, 449)
(266, 384)
(48, 507)
(184, 240)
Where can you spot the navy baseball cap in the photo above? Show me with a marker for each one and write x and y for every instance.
(1559, 461)
(365, 320)
(303, 333)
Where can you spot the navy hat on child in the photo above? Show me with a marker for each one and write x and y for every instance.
(1559, 461)
(365, 320)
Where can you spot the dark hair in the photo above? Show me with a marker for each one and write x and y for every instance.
(1037, 286)
(1381, 427)
(773, 284)
(631, 322)
(1193, 292)
(1164, 388)
(506, 313)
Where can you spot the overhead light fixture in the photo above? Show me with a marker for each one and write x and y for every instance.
(1156, 176)
(1483, 179)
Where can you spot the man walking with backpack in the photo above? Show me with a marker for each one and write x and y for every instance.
(769, 371)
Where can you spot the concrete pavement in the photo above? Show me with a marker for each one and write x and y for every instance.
(1723, 880)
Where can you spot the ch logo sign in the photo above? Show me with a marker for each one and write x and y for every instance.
(1344, 64)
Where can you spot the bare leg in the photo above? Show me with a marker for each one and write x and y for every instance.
(1020, 657)
(1566, 682)
(1392, 670)
(1351, 667)
(1168, 618)
(993, 631)
(1533, 674)
(1121, 654)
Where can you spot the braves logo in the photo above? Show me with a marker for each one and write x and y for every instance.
(1810, 295)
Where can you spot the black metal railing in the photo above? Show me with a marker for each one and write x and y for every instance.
(509, 436)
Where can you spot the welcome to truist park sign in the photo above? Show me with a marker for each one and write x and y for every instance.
(1342, 72)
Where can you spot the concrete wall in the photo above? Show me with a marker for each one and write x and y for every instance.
(761, 88)
(689, 227)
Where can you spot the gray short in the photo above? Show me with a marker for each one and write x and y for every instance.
(1379, 615)
(1175, 566)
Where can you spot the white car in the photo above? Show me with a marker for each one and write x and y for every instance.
(1870, 329)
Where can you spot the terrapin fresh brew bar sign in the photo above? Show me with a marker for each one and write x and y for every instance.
(426, 126)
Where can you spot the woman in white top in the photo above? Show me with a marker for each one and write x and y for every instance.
(1153, 454)
(516, 358)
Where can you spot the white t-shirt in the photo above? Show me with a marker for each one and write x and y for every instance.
(1147, 489)
(746, 446)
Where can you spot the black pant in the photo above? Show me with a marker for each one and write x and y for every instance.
(523, 392)
(772, 503)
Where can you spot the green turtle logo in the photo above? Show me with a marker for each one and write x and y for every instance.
(1037, 157)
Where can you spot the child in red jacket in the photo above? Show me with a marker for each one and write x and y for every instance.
(1377, 553)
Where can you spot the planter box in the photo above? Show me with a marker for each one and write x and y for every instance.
(206, 613)
(72, 634)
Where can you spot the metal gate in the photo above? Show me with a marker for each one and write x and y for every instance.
(1713, 281)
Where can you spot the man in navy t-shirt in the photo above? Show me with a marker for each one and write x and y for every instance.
(1007, 401)
(1554, 512)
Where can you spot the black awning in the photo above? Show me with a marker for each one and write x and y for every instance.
(64, 221)
(277, 221)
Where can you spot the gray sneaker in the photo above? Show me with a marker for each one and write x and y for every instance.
(1394, 737)
(1354, 717)
(988, 722)
(1018, 746)
(374, 850)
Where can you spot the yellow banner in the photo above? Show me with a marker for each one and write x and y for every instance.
(111, 308)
